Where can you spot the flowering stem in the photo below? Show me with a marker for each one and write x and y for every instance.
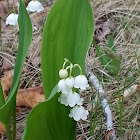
(65, 61)
(107, 112)
(71, 66)
(15, 10)
(8, 5)
(76, 65)
(67, 67)
(64, 65)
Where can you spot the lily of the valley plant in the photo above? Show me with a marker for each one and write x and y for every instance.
(71, 33)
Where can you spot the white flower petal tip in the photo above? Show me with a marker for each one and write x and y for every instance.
(63, 99)
(78, 112)
(34, 6)
(81, 82)
(34, 28)
(73, 99)
(63, 88)
(12, 19)
(63, 73)
(70, 82)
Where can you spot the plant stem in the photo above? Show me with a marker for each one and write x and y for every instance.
(95, 116)
(71, 66)
(76, 65)
(120, 106)
(8, 132)
(8, 5)
(14, 122)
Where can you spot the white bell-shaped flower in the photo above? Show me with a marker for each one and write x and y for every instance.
(63, 88)
(70, 82)
(73, 99)
(12, 19)
(81, 82)
(34, 6)
(78, 112)
(63, 99)
(63, 73)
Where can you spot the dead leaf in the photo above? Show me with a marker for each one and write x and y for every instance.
(3, 8)
(6, 82)
(110, 135)
(30, 97)
(102, 29)
(6, 65)
(25, 97)
(138, 88)
(2, 129)
(128, 92)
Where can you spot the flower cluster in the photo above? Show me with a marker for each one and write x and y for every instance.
(33, 6)
(69, 97)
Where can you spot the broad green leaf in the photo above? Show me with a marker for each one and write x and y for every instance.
(67, 34)
(25, 37)
(108, 57)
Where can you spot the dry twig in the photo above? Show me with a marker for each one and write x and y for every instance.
(107, 112)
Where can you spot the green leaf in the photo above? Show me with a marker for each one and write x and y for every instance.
(67, 34)
(111, 44)
(53, 92)
(2, 101)
(25, 37)
(108, 57)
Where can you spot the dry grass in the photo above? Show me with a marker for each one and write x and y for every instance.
(125, 28)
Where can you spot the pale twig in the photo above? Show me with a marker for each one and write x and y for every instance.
(2, 137)
(107, 112)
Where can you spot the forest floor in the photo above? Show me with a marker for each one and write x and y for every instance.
(118, 19)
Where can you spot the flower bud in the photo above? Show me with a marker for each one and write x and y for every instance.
(63, 73)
